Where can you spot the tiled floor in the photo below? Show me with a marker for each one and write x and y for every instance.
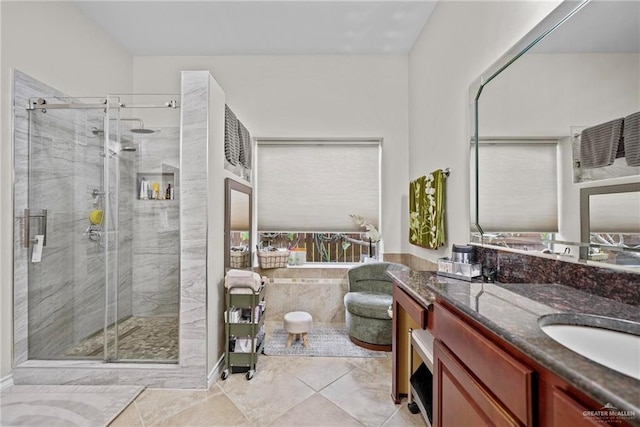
(151, 338)
(63, 405)
(285, 391)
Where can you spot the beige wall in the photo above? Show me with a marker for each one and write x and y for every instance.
(301, 96)
(311, 96)
(460, 40)
(55, 43)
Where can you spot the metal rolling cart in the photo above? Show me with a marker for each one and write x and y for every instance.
(244, 331)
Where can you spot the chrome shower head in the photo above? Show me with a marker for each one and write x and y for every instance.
(140, 129)
(127, 144)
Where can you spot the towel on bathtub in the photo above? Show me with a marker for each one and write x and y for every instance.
(249, 281)
(631, 136)
(599, 144)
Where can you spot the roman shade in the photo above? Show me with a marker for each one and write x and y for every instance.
(313, 185)
(614, 213)
(518, 186)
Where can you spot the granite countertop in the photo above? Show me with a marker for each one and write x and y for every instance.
(511, 311)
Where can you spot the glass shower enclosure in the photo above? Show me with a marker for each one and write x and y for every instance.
(99, 227)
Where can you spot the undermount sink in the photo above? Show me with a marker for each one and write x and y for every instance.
(614, 343)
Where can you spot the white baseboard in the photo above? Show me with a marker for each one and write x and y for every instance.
(6, 382)
(215, 372)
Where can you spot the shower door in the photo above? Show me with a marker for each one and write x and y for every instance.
(63, 227)
(98, 262)
(143, 267)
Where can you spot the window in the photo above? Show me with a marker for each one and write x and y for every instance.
(312, 186)
(518, 191)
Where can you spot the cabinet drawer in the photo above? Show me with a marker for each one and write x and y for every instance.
(508, 379)
(413, 308)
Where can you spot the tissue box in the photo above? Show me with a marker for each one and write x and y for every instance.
(458, 270)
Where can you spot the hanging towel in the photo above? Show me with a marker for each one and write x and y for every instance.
(231, 137)
(245, 145)
(426, 210)
(631, 137)
(599, 144)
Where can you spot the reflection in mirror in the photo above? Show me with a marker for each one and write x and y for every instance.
(238, 208)
(533, 111)
(614, 235)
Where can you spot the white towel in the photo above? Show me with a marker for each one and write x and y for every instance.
(244, 278)
(631, 135)
(599, 144)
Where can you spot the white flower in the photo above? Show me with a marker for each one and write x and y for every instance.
(372, 233)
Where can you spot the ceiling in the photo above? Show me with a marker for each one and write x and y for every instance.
(212, 27)
(599, 27)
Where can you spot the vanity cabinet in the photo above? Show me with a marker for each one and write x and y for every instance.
(472, 372)
(479, 377)
(480, 380)
(461, 400)
(408, 313)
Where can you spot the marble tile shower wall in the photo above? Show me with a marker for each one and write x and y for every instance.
(193, 211)
(60, 300)
(156, 228)
(605, 282)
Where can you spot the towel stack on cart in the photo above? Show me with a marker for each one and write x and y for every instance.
(243, 281)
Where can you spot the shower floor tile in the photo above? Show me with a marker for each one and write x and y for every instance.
(146, 338)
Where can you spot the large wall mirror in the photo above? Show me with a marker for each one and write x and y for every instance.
(557, 115)
(237, 225)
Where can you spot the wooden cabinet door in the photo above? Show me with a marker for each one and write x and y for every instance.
(568, 412)
(459, 399)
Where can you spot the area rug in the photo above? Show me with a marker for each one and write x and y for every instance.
(324, 341)
(64, 405)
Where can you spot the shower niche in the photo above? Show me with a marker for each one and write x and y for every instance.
(165, 182)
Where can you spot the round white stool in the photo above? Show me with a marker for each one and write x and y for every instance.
(297, 324)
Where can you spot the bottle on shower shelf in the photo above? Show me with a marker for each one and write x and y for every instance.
(169, 192)
(144, 189)
(156, 191)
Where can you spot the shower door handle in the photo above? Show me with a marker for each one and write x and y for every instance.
(26, 225)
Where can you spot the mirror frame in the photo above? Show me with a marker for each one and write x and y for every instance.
(233, 185)
(553, 20)
(585, 229)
